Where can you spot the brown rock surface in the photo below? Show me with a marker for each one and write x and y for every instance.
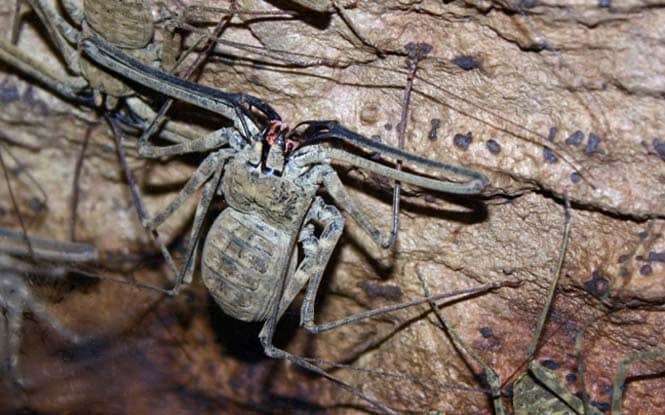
(600, 73)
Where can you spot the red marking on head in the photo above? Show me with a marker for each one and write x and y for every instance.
(275, 130)
(291, 145)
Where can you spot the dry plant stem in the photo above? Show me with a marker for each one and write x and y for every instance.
(555, 280)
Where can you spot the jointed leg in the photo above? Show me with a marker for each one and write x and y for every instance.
(328, 177)
(62, 34)
(16, 21)
(414, 55)
(266, 337)
(67, 87)
(135, 117)
(618, 385)
(74, 200)
(159, 118)
(316, 154)
(14, 325)
(212, 166)
(16, 298)
(490, 375)
(315, 261)
(73, 11)
(4, 345)
(555, 279)
(190, 259)
(542, 391)
(317, 252)
(621, 375)
(448, 297)
(118, 137)
(212, 141)
(202, 173)
(39, 309)
(581, 366)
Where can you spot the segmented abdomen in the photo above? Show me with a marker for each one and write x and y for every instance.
(243, 260)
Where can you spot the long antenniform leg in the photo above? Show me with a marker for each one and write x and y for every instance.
(491, 376)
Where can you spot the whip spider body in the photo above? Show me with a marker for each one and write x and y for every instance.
(278, 233)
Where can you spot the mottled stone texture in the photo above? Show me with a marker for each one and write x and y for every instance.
(534, 84)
